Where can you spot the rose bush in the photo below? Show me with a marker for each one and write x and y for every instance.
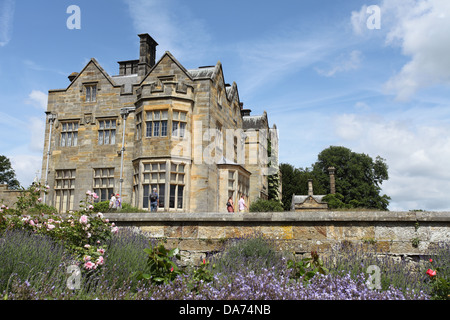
(83, 232)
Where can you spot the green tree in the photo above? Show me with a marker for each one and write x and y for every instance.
(295, 181)
(358, 180)
(7, 174)
(358, 177)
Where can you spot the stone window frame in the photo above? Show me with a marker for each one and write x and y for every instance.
(112, 131)
(177, 185)
(154, 175)
(69, 133)
(136, 185)
(103, 183)
(232, 183)
(158, 123)
(179, 123)
(64, 189)
(243, 185)
(90, 90)
(139, 125)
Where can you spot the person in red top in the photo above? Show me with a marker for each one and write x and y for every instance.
(230, 206)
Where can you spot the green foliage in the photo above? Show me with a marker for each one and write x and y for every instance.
(7, 174)
(30, 198)
(102, 206)
(415, 242)
(306, 268)
(262, 205)
(358, 179)
(204, 272)
(336, 201)
(439, 282)
(160, 265)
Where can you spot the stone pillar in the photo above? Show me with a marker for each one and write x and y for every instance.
(332, 180)
(310, 187)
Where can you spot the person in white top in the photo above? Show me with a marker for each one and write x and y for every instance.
(112, 202)
(241, 204)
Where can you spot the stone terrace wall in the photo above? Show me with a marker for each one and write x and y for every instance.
(8, 197)
(298, 232)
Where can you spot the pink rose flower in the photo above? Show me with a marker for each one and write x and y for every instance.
(89, 265)
(83, 219)
(99, 261)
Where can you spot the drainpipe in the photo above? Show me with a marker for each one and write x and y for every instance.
(124, 112)
(51, 117)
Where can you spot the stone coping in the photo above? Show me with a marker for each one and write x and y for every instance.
(287, 216)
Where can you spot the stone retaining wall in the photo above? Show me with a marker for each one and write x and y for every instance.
(399, 233)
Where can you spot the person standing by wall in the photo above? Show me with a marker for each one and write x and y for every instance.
(154, 200)
(118, 202)
(112, 202)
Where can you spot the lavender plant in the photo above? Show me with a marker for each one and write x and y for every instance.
(354, 259)
(27, 257)
(253, 252)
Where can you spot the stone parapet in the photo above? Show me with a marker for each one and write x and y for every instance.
(197, 234)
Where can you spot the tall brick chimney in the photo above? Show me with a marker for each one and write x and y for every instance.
(332, 180)
(147, 54)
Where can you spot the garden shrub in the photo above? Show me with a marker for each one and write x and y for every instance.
(262, 205)
(102, 206)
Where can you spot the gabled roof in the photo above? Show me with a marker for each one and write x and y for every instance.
(232, 92)
(255, 122)
(209, 72)
(99, 67)
(301, 199)
(170, 56)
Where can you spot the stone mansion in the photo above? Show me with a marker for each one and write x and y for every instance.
(155, 125)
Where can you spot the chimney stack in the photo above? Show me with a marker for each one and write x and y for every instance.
(332, 180)
(147, 54)
(310, 187)
(72, 76)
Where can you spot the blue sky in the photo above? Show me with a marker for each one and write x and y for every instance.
(322, 73)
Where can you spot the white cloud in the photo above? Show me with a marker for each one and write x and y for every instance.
(6, 21)
(420, 29)
(358, 20)
(26, 166)
(38, 99)
(37, 130)
(344, 63)
(417, 156)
